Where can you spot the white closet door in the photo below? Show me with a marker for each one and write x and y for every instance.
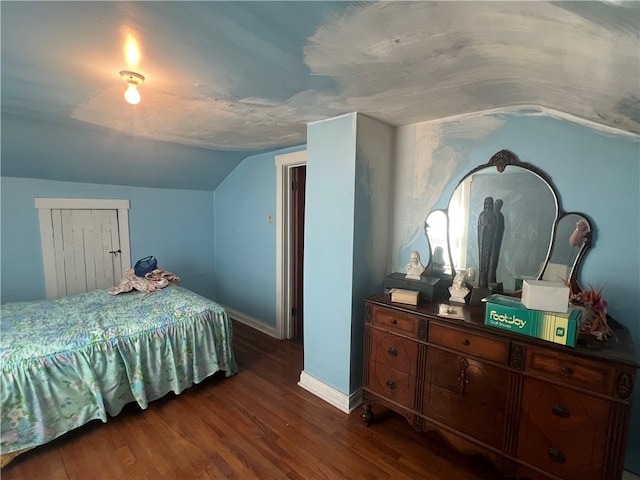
(85, 244)
(87, 248)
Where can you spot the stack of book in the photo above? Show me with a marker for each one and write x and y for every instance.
(408, 297)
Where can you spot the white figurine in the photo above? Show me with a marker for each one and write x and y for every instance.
(414, 268)
(458, 291)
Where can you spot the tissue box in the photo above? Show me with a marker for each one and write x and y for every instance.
(508, 313)
(544, 295)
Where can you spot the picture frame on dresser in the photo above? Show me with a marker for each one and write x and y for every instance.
(450, 311)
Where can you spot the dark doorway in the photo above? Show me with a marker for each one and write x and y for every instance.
(299, 175)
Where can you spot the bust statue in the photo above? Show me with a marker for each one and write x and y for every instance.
(458, 290)
(414, 268)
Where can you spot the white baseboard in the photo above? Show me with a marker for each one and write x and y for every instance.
(343, 402)
(251, 322)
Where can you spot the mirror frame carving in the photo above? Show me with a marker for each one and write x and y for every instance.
(500, 161)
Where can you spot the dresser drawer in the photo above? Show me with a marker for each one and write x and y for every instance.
(566, 368)
(488, 348)
(392, 384)
(394, 351)
(561, 431)
(467, 394)
(394, 320)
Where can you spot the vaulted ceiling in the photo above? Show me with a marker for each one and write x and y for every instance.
(230, 78)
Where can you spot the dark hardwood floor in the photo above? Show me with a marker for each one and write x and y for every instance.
(258, 424)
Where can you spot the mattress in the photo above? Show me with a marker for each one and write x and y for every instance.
(66, 362)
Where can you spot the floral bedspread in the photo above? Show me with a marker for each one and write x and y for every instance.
(68, 361)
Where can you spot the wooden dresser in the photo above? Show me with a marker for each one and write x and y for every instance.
(536, 409)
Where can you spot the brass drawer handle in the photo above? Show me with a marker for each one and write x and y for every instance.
(391, 384)
(466, 342)
(393, 352)
(560, 411)
(567, 371)
(556, 455)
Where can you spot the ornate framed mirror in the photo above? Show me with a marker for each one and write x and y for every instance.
(538, 240)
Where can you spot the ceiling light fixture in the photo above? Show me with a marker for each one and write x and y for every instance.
(133, 79)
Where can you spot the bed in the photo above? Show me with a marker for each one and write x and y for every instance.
(69, 361)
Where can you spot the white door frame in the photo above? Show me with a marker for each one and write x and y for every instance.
(45, 205)
(284, 242)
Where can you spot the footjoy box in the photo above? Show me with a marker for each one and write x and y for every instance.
(508, 313)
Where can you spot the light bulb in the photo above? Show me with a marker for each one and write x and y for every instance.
(132, 95)
(133, 79)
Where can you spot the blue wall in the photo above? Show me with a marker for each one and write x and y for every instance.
(176, 226)
(245, 241)
(375, 145)
(328, 259)
(76, 151)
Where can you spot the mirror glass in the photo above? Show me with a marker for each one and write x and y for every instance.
(573, 232)
(436, 230)
(538, 241)
(529, 209)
